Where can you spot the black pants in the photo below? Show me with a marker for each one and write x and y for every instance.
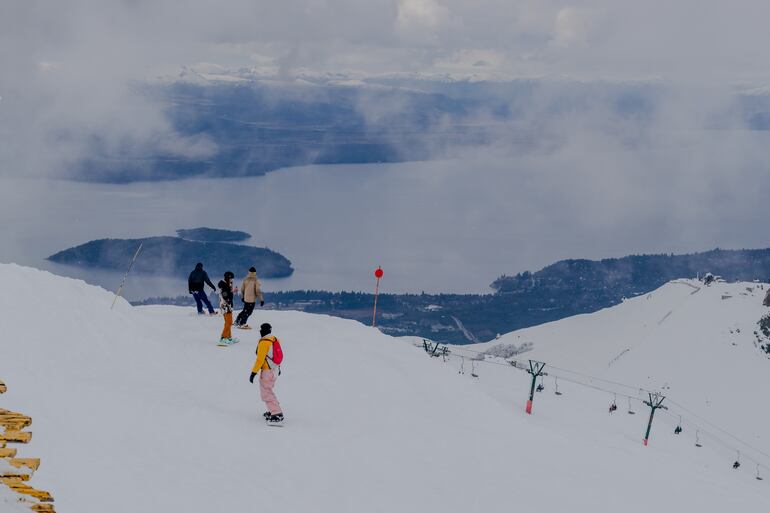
(243, 317)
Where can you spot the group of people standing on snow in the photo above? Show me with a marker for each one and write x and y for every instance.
(269, 352)
(250, 293)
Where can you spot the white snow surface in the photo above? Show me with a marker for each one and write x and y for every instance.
(695, 344)
(137, 409)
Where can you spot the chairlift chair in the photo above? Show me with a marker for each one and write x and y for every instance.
(737, 462)
(759, 478)
(556, 386)
(473, 369)
(540, 386)
(630, 410)
(614, 405)
(697, 438)
(678, 428)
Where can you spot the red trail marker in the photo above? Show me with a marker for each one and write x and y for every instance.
(377, 274)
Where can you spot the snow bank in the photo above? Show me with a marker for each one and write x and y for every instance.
(137, 409)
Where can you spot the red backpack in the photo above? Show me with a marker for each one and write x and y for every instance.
(275, 354)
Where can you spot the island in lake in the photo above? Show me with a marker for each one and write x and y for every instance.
(175, 256)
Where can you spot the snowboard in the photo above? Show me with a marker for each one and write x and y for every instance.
(277, 424)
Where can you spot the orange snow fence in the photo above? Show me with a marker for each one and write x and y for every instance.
(19, 470)
(13, 420)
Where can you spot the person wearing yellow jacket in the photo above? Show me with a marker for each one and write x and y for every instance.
(267, 376)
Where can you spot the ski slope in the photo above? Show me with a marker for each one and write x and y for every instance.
(695, 344)
(137, 409)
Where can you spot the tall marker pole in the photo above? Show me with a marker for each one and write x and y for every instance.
(377, 274)
(120, 289)
(536, 369)
(654, 403)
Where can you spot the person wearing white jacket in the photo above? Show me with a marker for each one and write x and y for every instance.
(250, 293)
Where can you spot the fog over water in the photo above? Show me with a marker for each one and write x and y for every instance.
(447, 226)
(631, 127)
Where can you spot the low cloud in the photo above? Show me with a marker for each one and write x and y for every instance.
(634, 121)
(71, 71)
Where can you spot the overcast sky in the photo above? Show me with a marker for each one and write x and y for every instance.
(69, 70)
(688, 39)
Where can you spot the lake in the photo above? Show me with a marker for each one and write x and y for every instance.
(441, 226)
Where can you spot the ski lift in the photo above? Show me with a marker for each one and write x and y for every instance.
(737, 462)
(431, 348)
(473, 369)
(697, 438)
(630, 410)
(462, 365)
(540, 386)
(556, 386)
(759, 478)
(614, 405)
(678, 428)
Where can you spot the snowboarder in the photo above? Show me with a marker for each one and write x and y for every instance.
(269, 358)
(198, 278)
(250, 292)
(226, 294)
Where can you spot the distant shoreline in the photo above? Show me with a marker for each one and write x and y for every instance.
(563, 289)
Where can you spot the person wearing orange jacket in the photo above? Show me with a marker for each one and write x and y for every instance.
(265, 365)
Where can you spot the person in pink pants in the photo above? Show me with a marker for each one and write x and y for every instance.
(269, 369)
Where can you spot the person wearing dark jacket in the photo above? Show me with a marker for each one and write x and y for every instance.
(198, 278)
(226, 294)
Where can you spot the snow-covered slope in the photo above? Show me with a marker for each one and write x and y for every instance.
(9, 502)
(137, 409)
(696, 344)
